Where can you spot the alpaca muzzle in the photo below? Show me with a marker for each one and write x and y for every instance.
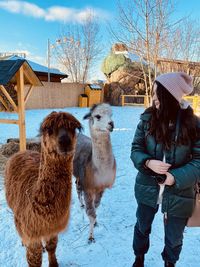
(111, 126)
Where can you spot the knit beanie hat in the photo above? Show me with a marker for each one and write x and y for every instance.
(177, 83)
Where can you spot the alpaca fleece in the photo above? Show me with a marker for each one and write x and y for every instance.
(94, 164)
(38, 187)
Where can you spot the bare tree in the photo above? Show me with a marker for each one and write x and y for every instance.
(78, 48)
(190, 48)
(185, 49)
(189, 40)
(143, 26)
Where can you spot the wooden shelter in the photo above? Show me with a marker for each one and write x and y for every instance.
(173, 65)
(41, 71)
(94, 94)
(16, 73)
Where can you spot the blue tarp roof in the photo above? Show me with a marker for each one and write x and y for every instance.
(8, 68)
(37, 67)
(95, 86)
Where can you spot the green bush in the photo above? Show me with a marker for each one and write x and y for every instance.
(112, 62)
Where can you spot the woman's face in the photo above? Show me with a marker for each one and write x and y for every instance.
(155, 98)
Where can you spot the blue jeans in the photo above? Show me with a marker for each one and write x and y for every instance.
(174, 228)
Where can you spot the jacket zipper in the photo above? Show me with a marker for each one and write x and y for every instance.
(166, 210)
(165, 217)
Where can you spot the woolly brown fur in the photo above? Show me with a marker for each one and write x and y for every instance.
(38, 186)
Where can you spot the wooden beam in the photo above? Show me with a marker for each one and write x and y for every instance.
(9, 121)
(4, 103)
(30, 75)
(4, 91)
(21, 108)
(28, 94)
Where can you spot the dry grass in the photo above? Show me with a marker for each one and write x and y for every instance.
(3, 160)
(8, 149)
(10, 88)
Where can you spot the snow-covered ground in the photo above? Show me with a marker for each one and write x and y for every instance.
(116, 214)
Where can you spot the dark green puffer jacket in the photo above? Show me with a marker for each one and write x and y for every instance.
(178, 199)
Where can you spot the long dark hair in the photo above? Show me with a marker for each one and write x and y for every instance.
(166, 115)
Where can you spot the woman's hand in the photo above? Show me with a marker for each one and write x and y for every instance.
(170, 179)
(158, 166)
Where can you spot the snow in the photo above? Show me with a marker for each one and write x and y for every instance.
(116, 214)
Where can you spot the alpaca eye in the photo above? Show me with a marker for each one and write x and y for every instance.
(98, 117)
(49, 131)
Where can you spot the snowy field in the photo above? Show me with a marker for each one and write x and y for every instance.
(116, 214)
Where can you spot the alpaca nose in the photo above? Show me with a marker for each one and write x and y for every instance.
(111, 123)
(64, 141)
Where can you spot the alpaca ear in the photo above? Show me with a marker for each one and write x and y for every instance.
(87, 116)
(77, 125)
(45, 129)
(46, 124)
(93, 107)
(80, 128)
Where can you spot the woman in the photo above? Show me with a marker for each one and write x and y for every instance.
(166, 152)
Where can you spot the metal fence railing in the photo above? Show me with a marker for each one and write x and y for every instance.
(134, 100)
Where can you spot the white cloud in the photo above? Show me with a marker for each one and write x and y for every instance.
(12, 6)
(38, 59)
(57, 13)
(32, 10)
(22, 7)
(84, 14)
(53, 13)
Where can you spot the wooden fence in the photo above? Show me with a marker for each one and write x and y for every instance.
(194, 102)
(54, 95)
(134, 100)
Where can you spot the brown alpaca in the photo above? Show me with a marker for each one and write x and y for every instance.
(38, 187)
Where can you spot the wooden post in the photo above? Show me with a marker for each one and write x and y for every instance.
(195, 103)
(146, 101)
(122, 96)
(21, 108)
(102, 94)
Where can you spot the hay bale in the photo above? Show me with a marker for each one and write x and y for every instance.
(9, 149)
(35, 146)
(12, 146)
(16, 140)
(3, 160)
(10, 88)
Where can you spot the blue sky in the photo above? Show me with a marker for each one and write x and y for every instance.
(27, 25)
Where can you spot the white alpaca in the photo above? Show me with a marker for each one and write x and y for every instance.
(94, 163)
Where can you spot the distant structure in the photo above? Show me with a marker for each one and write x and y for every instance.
(93, 94)
(164, 64)
(40, 70)
(173, 65)
(14, 75)
(9, 54)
